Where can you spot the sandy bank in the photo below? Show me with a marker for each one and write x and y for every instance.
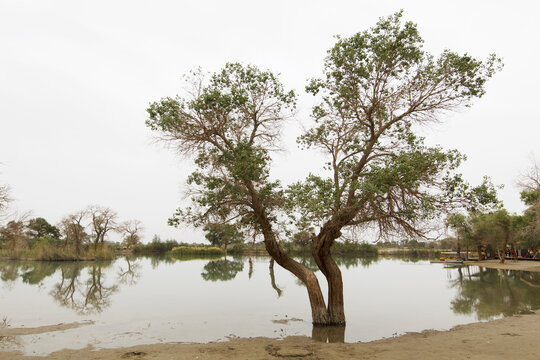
(507, 265)
(42, 329)
(509, 338)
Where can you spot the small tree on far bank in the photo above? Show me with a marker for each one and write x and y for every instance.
(73, 229)
(39, 227)
(13, 235)
(530, 195)
(223, 235)
(131, 232)
(103, 220)
(462, 228)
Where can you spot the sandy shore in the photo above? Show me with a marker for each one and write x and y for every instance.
(507, 265)
(509, 338)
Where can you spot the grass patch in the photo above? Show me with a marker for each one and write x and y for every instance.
(45, 250)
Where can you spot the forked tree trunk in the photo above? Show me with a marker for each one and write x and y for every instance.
(319, 312)
(329, 268)
(273, 278)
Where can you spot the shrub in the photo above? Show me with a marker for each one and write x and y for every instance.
(155, 247)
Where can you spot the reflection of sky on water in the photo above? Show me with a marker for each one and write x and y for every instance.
(149, 301)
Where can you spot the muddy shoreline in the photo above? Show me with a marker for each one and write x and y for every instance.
(509, 338)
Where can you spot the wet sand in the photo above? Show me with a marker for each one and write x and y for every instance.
(42, 329)
(509, 338)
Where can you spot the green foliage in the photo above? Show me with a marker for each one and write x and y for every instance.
(231, 125)
(491, 293)
(223, 235)
(39, 227)
(155, 247)
(354, 248)
(340, 248)
(303, 238)
(197, 250)
(378, 84)
(222, 270)
(529, 197)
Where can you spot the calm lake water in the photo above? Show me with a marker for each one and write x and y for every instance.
(152, 300)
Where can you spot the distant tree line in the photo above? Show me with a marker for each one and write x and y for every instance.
(73, 237)
(498, 232)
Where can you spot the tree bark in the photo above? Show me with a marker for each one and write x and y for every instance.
(319, 312)
(329, 268)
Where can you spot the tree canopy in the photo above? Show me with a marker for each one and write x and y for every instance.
(377, 86)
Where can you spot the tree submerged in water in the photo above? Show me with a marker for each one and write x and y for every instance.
(377, 85)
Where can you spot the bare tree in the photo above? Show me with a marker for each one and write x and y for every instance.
(103, 220)
(530, 180)
(73, 229)
(13, 235)
(530, 195)
(131, 232)
(5, 199)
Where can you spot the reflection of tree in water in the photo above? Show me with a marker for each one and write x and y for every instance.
(158, 259)
(9, 271)
(273, 279)
(31, 272)
(222, 270)
(64, 291)
(131, 274)
(341, 261)
(85, 297)
(97, 294)
(38, 271)
(331, 334)
(353, 261)
(491, 293)
(83, 291)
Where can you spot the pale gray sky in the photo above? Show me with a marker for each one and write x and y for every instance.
(77, 76)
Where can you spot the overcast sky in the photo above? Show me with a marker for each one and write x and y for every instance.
(77, 76)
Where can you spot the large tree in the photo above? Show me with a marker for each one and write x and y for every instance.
(377, 85)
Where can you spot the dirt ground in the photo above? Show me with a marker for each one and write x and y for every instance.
(507, 265)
